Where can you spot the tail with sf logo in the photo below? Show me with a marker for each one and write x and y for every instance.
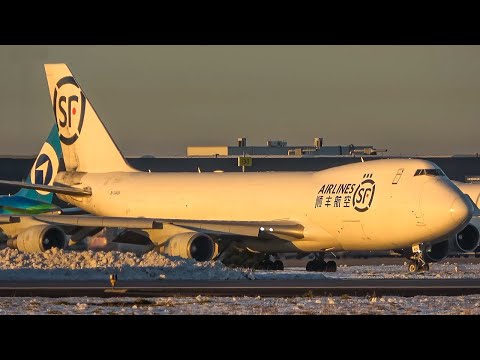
(86, 144)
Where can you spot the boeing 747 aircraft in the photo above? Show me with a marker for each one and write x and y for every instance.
(375, 205)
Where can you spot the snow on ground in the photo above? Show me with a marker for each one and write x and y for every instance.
(425, 305)
(447, 270)
(88, 265)
(97, 265)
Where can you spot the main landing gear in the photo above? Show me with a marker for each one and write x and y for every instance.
(267, 264)
(320, 265)
(417, 263)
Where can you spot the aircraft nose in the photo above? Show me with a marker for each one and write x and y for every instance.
(445, 208)
(460, 210)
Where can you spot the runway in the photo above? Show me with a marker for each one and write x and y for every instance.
(264, 288)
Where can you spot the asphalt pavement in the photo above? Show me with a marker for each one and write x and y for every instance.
(264, 288)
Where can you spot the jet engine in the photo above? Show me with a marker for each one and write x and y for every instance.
(436, 252)
(191, 245)
(39, 238)
(466, 240)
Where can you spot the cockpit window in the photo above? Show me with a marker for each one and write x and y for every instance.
(429, 172)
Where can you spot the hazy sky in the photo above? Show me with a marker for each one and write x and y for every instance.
(159, 99)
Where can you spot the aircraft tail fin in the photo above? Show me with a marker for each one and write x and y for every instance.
(46, 166)
(86, 144)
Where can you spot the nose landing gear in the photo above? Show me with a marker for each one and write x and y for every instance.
(416, 266)
(417, 263)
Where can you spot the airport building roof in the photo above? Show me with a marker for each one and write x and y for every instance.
(281, 148)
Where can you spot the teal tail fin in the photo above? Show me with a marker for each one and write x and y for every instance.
(45, 168)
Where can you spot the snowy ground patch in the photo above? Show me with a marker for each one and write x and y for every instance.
(98, 265)
(421, 305)
(447, 270)
(88, 265)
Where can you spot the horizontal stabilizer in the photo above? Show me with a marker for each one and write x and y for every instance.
(57, 189)
(73, 211)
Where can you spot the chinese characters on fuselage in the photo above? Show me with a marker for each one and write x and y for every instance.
(336, 195)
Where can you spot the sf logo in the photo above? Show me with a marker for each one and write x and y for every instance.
(363, 196)
(67, 116)
(69, 109)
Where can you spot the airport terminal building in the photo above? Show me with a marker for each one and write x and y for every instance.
(280, 148)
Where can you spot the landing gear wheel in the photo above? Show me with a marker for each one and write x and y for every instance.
(413, 267)
(418, 262)
(310, 266)
(425, 267)
(316, 265)
(278, 265)
(331, 266)
(265, 265)
(268, 265)
(321, 265)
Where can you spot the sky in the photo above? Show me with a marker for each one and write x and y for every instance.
(157, 100)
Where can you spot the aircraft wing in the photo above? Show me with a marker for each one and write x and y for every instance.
(99, 221)
(275, 229)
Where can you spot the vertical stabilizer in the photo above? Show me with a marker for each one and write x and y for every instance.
(86, 144)
(45, 168)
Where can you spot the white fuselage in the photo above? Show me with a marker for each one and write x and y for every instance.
(365, 206)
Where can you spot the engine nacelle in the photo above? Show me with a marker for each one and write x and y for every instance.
(191, 245)
(436, 252)
(40, 238)
(466, 240)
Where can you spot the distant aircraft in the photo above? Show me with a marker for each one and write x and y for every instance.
(373, 205)
(30, 201)
(469, 239)
(44, 170)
